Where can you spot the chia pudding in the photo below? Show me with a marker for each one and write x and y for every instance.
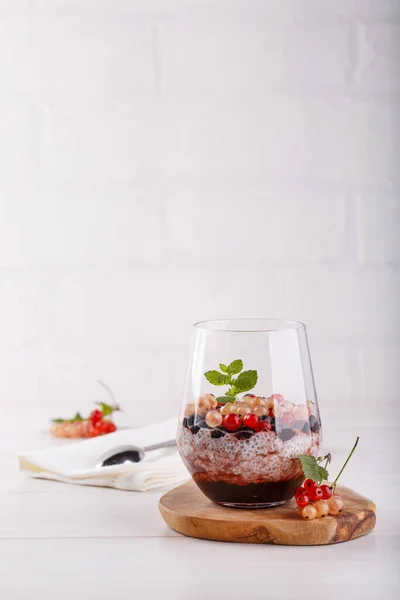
(245, 455)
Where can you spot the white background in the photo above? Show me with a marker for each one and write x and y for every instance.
(168, 162)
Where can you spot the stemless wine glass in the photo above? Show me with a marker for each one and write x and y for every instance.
(249, 409)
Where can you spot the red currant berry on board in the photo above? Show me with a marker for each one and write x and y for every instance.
(250, 420)
(327, 491)
(300, 491)
(96, 416)
(302, 500)
(231, 422)
(315, 493)
(309, 483)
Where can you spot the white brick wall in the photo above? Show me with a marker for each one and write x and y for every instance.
(151, 151)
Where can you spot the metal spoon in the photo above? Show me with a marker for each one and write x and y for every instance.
(128, 453)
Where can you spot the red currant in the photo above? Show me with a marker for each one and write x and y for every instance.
(327, 491)
(302, 500)
(315, 493)
(94, 430)
(309, 483)
(231, 422)
(108, 427)
(96, 416)
(300, 491)
(260, 426)
(250, 420)
(271, 412)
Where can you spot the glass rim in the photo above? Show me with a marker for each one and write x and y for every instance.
(265, 325)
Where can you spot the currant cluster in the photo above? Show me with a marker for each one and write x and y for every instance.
(250, 415)
(317, 501)
(98, 425)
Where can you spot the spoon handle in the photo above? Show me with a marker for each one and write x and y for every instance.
(168, 444)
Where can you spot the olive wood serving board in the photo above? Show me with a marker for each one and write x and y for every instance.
(186, 510)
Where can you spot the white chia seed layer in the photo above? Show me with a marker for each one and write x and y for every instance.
(261, 458)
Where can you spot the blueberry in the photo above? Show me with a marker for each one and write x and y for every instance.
(195, 429)
(286, 434)
(190, 421)
(246, 429)
(299, 424)
(198, 419)
(306, 428)
(315, 427)
(203, 425)
(265, 418)
(217, 433)
(244, 433)
(313, 420)
(185, 422)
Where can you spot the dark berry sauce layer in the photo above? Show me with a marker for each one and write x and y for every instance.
(270, 492)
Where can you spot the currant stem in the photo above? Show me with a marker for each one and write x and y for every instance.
(347, 460)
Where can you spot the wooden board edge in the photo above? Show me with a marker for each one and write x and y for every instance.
(347, 527)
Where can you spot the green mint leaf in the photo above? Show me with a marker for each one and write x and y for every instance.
(107, 409)
(245, 381)
(235, 367)
(226, 399)
(216, 378)
(312, 469)
(223, 368)
(77, 417)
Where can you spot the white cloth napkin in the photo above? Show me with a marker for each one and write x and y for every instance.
(75, 462)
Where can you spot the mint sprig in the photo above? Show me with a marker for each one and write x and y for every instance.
(77, 417)
(245, 380)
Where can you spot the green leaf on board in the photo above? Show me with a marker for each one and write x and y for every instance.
(312, 469)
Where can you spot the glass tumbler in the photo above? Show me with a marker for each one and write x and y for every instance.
(249, 409)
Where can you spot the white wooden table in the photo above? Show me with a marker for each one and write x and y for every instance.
(90, 543)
